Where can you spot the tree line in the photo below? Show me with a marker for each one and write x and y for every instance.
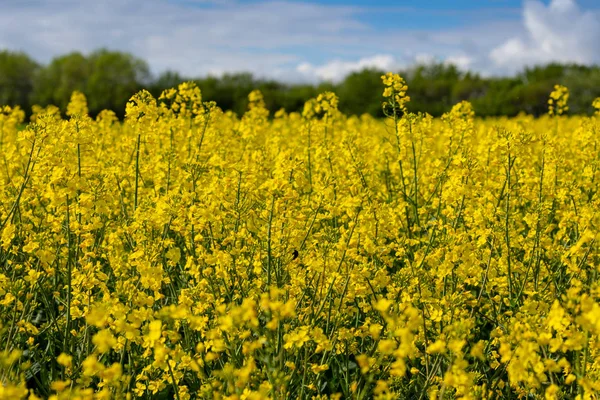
(109, 78)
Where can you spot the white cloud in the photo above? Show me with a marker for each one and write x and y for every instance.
(291, 40)
(336, 70)
(560, 32)
(425, 58)
(187, 36)
(463, 62)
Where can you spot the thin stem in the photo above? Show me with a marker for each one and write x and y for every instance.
(269, 255)
(137, 172)
(507, 223)
(26, 175)
(66, 343)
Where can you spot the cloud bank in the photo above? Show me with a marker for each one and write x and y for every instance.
(336, 70)
(559, 32)
(293, 41)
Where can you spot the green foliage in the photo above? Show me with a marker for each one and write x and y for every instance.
(109, 78)
(361, 92)
(60, 78)
(114, 77)
(17, 76)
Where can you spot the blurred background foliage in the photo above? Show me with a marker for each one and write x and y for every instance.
(109, 78)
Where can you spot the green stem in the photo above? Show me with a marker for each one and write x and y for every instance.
(269, 255)
(137, 172)
(507, 225)
(66, 343)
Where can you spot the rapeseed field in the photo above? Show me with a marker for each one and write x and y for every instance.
(186, 252)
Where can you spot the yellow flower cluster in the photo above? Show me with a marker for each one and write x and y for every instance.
(557, 103)
(186, 252)
(395, 91)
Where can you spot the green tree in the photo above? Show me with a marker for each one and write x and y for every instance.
(584, 87)
(110, 78)
(501, 96)
(166, 80)
(107, 78)
(294, 97)
(431, 87)
(113, 78)
(56, 82)
(17, 76)
(361, 92)
(229, 91)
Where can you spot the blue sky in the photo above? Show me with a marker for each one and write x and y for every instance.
(296, 40)
(433, 14)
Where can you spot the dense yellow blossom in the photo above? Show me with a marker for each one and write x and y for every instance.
(186, 252)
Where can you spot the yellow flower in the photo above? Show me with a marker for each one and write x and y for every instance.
(557, 104)
(104, 340)
(552, 392)
(439, 346)
(59, 386)
(386, 346)
(317, 369)
(477, 350)
(154, 332)
(382, 305)
(65, 360)
(78, 105)
(297, 338)
(365, 363)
